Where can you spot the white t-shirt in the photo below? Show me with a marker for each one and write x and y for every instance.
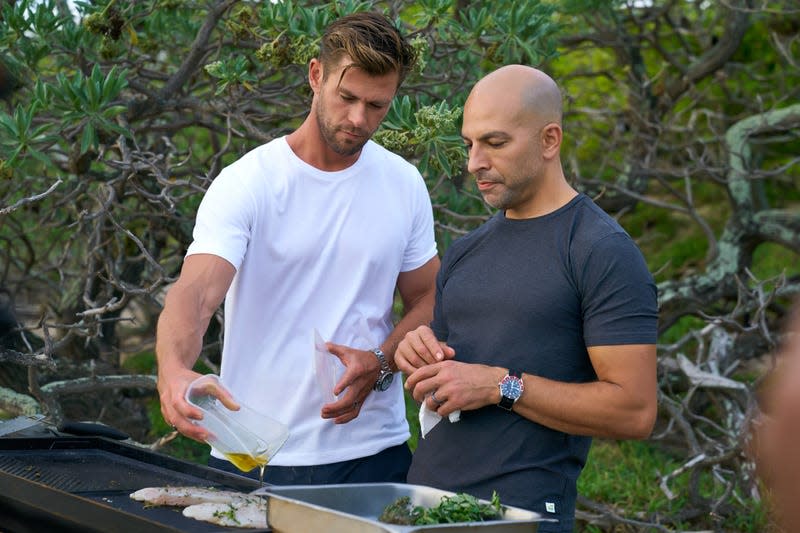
(313, 249)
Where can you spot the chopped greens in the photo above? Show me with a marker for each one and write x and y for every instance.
(460, 507)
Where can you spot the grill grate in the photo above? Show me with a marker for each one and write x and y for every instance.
(51, 478)
(90, 470)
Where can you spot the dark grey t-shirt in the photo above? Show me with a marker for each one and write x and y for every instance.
(532, 295)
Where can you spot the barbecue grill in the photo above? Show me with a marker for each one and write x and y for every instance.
(83, 484)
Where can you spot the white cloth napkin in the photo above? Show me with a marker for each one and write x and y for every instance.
(428, 418)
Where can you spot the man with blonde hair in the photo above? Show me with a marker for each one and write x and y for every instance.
(313, 231)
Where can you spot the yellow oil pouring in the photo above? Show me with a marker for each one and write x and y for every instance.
(246, 462)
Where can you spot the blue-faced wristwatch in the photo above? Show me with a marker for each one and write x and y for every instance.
(386, 376)
(511, 387)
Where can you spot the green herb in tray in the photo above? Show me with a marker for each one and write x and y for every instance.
(457, 508)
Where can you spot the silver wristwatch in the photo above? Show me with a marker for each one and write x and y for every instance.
(385, 377)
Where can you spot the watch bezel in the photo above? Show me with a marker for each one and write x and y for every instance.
(511, 389)
(384, 381)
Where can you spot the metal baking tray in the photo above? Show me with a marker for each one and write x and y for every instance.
(354, 508)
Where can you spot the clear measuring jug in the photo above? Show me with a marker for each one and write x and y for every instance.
(247, 438)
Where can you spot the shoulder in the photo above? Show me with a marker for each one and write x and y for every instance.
(593, 231)
(255, 161)
(591, 222)
(265, 168)
(464, 244)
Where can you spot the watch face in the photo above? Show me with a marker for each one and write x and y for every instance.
(384, 381)
(511, 387)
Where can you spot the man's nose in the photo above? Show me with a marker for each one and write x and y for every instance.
(358, 115)
(476, 160)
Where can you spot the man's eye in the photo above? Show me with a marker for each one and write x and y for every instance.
(496, 144)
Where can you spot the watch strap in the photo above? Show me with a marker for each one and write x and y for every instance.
(382, 359)
(385, 375)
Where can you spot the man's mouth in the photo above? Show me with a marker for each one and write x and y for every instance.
(484, 185)
(353, 134)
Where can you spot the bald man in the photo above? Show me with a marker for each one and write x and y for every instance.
(545, 320)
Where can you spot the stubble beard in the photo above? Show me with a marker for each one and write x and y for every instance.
(328, 132)
(508, 196)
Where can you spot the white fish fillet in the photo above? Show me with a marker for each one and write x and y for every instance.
(183, 496)
(248, 512)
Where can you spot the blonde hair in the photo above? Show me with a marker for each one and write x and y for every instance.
(373, 43)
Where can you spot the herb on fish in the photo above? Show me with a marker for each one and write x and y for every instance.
(230, 514)
(457, 508)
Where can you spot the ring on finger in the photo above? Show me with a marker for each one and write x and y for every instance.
(435, 399)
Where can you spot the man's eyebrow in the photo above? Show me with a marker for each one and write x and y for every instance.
(349, 94)
(497, 134)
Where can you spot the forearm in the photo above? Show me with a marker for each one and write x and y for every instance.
(178, 341)
(180, 330)
(417, 288)
(620, 403)
(419, 313)
(597, 409)
(188, 307)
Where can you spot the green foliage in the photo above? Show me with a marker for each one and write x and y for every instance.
(426, 135)
(119, 120)
(181, 447)
(628, 473)
(771, 260)
(412, 416)
(89, 101)
(231, 71)
(19, 136)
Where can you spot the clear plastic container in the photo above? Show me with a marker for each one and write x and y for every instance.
(245, 437)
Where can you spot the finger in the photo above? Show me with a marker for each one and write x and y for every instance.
(420, 375)
(447, 351)
(425, 348)
(434, 401)
(406, 358)
(351, 414)
(432, 345)
(336, 349)
(345, 405)
(226, 398)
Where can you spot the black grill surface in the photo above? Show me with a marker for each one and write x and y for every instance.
(84, 484)
(86, 470)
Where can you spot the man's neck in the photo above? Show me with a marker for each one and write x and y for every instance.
(307, 144)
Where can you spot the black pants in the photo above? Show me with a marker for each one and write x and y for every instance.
(389, 466)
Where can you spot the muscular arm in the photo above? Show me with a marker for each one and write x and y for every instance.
(188, 308)
(622, 403)
(417, 290)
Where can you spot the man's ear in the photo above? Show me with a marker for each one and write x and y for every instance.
(315, 74)
(551, 140)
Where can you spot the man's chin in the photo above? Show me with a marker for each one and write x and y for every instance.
(347, 149)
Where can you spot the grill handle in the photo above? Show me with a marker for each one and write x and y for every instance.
(88, 429)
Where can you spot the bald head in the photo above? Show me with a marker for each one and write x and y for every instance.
(521, 91)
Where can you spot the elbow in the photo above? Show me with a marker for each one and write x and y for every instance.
(642, 423)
